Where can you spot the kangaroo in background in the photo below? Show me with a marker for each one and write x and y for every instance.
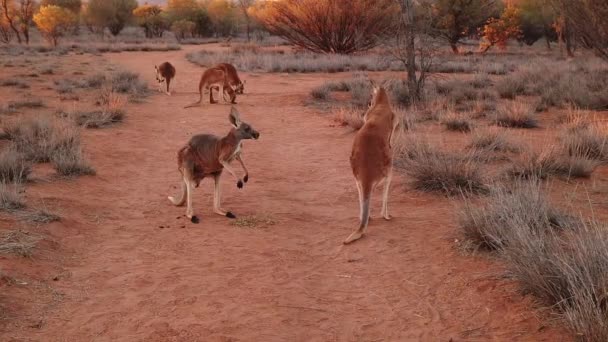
(208, 155)
(164, 73)
(372, 157)
(214, 78)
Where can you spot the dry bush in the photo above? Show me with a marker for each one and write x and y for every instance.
(70, 162)
(351, 117)
(14, 167)
(68, 85)
(29, 103)
(127, 82)
(111, 113)
(491, 226)
(321, 92)
(588, 142)
(493, 140)
(10, 199)
(279, 61)
(348, 26)
(18, 243)
(559, 84)
(457, 123)
(435, 171)
(14, 83)
(516, 115)
(568, 272)
(44, 139)
(550, 163)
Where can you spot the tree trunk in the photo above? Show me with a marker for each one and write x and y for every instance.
(10, 20)
(568, 38)
(454, 47)
(407, 10)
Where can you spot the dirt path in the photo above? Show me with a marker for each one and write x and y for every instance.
(290, 281)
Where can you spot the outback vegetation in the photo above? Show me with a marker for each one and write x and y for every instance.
(501, 147)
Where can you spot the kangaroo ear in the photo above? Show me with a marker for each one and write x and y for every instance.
(235, 117)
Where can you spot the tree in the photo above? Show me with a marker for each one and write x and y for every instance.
(587, 20)
(222, 17)
(111, 14)
(25, 15)
(73, 5)
(536, 21)
(245, 5)
(6, 34)
(454, 20)
(181, 9)
(9, 12)
(150, 18)
(499, 31)
(182, 28)
(53, 22)
(345, 26)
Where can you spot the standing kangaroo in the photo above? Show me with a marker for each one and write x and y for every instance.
(164, 73)
(208, 155)
(372, 157)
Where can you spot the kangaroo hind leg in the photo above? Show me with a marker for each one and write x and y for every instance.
(364, 202)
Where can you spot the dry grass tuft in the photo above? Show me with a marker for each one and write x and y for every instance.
(10, 199)
(350, 117)
(493, 140)
(14, 167)
(516, 115)
(435, 171)
(588, 142)
(491, 226)
(457, 123)
(18, 243)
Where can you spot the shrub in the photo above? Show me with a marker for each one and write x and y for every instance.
(586, 142)
(9, 197)
(98, 118)
(13, 166)
(550, 163)
(14, 83)
(568, 272)
(493, 140)
(39, 138)
(321, 92)
(129, 83)
(516, 115)
(457, 123)
(434, 171)
(17, 242)
(69, 162)
(351, 117)
(349, 25)
(508, 209)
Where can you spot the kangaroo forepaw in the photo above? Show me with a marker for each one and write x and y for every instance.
(246, 178)
(195, 219)
(239, 184)
(230, 215)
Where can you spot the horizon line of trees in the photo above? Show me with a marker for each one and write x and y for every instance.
(184, 18)
(327, 26)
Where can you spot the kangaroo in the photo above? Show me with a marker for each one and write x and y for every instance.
(233, 77)
(208, 155)
(372, 158)
(214, 78)
(164, 73)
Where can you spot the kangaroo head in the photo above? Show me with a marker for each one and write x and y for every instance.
(239, 88)
(159, 77)
(243, 130)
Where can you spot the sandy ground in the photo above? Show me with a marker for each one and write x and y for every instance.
(140, 271)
